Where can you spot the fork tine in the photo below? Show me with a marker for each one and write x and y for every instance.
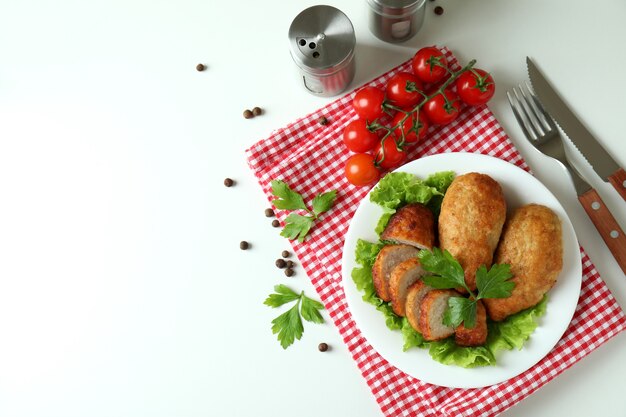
(529, 112)
(530, 135)
(541, 111)
(541, 116)
(527, 115)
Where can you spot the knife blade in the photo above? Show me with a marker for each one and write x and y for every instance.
(601, 161)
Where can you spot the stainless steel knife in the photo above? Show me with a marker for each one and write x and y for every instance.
(601, 161)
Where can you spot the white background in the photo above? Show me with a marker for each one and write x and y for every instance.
(123, 291)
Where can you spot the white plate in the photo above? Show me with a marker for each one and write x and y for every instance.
(519, 188)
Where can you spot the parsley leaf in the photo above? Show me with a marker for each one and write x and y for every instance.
(297, 226)
(495, 282)
(283, 295)
(323, 202)
(460, 310)
(288, 325)
(287, 198)
(310, 310)
(448, 273)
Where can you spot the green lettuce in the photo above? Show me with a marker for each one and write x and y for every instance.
(412, 338)
(516, 329)
(449, 353)
(397, 189)
(365, 253)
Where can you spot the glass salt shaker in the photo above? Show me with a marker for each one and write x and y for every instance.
(396, 20)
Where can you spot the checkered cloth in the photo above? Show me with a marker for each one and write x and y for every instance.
(311, 157)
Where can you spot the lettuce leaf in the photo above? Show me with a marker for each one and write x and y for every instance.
(516, 329)
(449, 353)
(440, 180)
(362, 277)
(392, 320)
(397, 189)
(365, 253)
(412, 338)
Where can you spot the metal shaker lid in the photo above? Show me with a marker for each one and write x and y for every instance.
(321, 39)
(393, 7)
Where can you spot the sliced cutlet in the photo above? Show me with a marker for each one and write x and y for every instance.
(477, 335)
(387, 259)
(414, 297)
(432, 310)
(413, 224)
(402, 277)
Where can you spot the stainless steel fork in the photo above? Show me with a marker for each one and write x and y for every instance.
(543, 134)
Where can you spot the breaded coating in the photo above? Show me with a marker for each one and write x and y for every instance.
(402, 277)
(413, 224)
(532, 244)
(386, 260)
(477, 335)
(414, 298)
(472, 214)
(432, 309)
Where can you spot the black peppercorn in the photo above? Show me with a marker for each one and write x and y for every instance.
(280, 263)
(275, 223)
(289, 272)
(290, 264)
(322, 347)
(200, 67)
(269, 212)
(243, 245)
(248, 114)
(286, 254)
(323, 121)
(438, 10)
(228, 182)
(257, 111)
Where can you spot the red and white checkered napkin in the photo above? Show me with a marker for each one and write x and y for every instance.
(311, 157)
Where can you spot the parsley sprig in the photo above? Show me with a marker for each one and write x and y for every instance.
(448, 273)
(289, 324)
(297, 226)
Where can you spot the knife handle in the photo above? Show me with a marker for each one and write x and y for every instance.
(606, 224)
(618, 180)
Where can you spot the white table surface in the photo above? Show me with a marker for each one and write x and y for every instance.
(123, 291)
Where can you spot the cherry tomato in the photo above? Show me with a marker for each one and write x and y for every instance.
(430, 64)
(393, 157)
(441, 112)
(368, 103)
(358, 138)
(403, 89)
(360, 169)
(413, 133)
(475, 87)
